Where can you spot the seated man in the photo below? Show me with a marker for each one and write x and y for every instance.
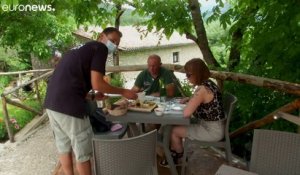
(156, 79)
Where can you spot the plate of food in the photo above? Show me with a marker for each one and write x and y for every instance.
(146, 106)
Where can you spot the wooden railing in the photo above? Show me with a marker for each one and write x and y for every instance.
(284, 86)
(6, 100)
(221, 76)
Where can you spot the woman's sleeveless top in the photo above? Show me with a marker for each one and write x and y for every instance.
(212, 111)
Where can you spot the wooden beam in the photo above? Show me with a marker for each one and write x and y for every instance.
(22, 106)
(267, 119)
(24, 72)
(291, 118)
(28, 82)
(284, 86)
(174, 67)
(6, 119)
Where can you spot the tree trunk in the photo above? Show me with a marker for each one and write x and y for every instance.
(201, 39)
(235, 54)
(237, 36)
(120, 12)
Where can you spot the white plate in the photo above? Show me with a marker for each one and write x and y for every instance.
(178, 107)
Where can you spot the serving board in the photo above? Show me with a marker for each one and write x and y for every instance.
(146, 107)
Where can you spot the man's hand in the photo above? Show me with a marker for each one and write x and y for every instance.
(96, 96)
(130, 94)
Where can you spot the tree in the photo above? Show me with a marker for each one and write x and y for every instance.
(259, 32)
(34, 33)
(180, 15)
(269, 37)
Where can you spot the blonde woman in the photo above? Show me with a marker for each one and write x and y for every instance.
(205, 105)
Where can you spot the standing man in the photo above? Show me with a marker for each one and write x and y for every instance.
(152, 79)
(80, 70)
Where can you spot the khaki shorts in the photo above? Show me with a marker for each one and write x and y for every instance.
(72, 133)
(206, 131)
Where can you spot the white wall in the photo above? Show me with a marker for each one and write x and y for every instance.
(186, 52)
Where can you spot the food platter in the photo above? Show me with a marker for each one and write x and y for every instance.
(146, 106)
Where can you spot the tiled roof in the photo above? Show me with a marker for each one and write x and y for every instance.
(134, 40)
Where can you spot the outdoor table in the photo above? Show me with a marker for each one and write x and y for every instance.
(167, 120)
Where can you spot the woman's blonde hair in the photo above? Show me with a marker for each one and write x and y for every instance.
(198, 69)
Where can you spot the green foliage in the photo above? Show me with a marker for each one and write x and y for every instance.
(111, 100)
(270, 44)
(34, 33)
(218, 41)
(167, 16)
(269, 48)
(9, 58)
(4, 81)
(253, 104)
(187, 88)
(129, 18)
(43, 88)
(2, 130)
(117, 80)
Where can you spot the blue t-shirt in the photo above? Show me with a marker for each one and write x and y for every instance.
(71, 80)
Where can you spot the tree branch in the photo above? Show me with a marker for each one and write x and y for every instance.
(191, 37)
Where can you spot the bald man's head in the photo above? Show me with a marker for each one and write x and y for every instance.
(154, 63)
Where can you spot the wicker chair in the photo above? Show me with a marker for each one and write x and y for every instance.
(229, 102)
(130, 156)
(275, 153)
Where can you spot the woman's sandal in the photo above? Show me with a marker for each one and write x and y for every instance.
(176, 157)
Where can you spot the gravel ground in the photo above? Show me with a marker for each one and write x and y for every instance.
(34, 156)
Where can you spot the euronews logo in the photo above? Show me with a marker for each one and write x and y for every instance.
(13, 5)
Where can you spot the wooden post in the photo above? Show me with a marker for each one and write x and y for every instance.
(36, 84)
(20, 79)
(6, 119)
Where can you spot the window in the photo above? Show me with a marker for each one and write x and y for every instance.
(175, 57)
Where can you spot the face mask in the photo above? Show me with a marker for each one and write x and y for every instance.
(110, 46)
